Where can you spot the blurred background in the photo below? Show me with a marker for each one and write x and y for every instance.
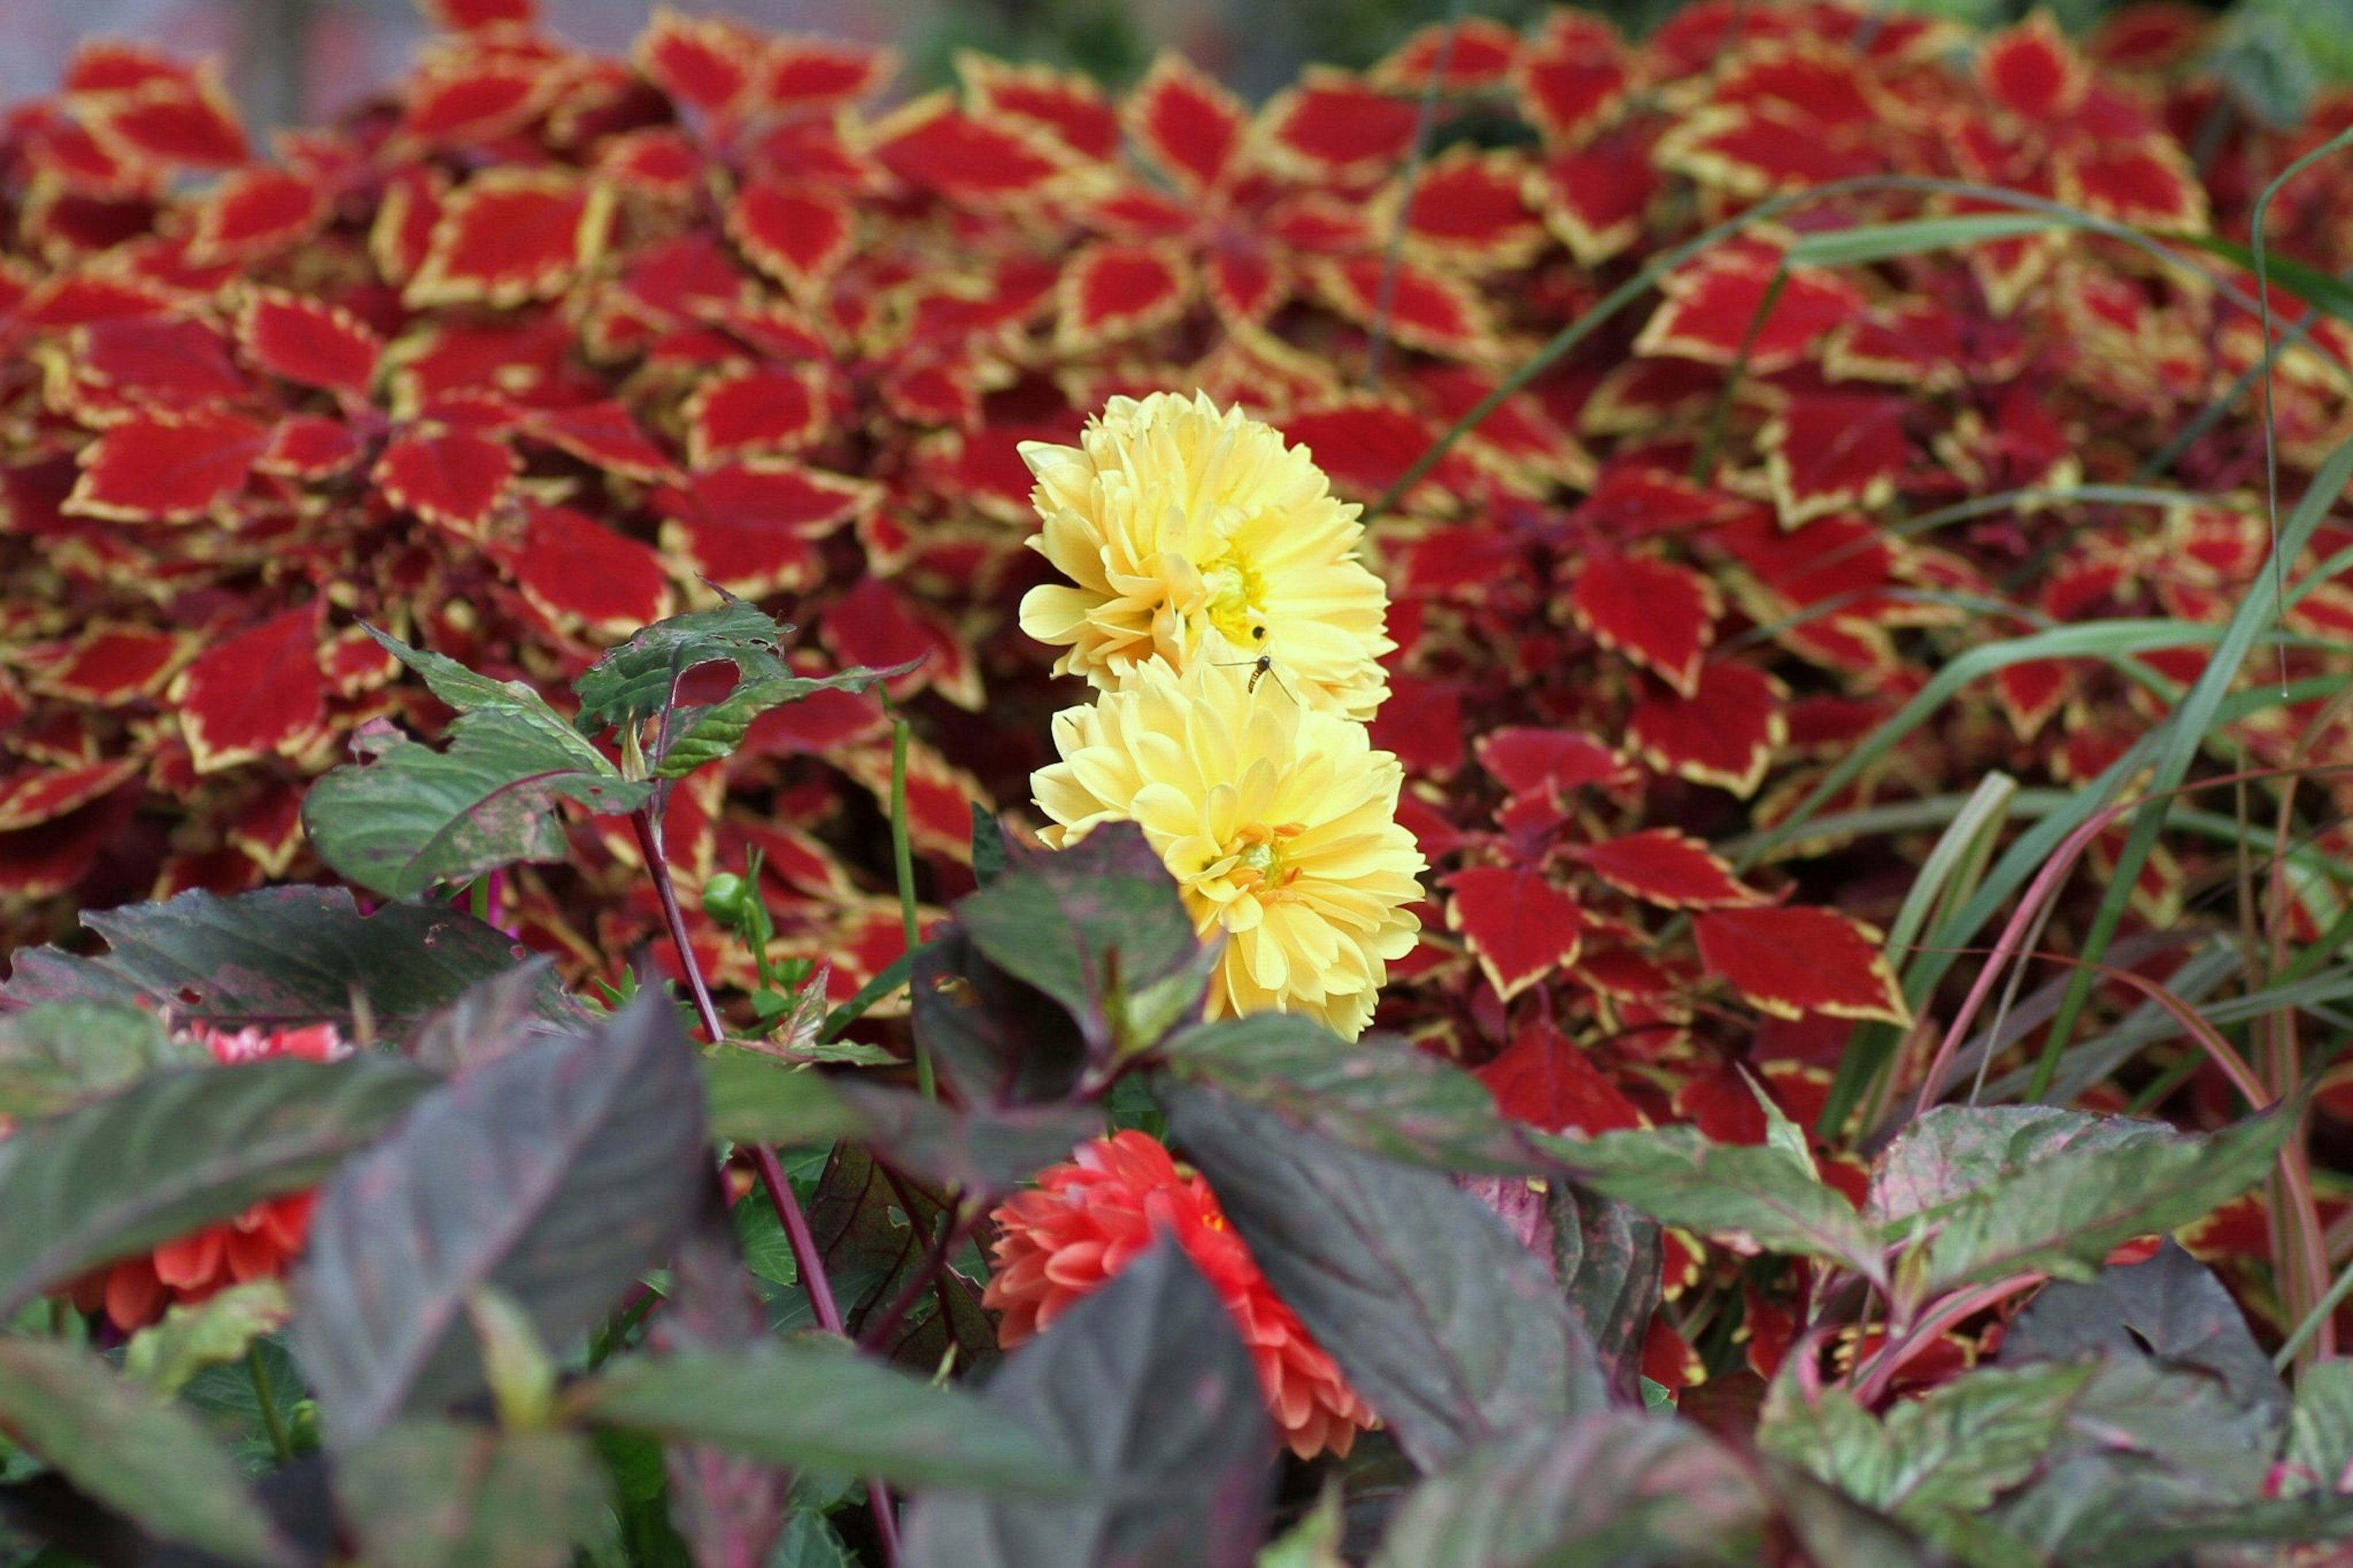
(293, 61)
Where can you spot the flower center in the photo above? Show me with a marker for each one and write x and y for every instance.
(1259, 863)
(1234, 590)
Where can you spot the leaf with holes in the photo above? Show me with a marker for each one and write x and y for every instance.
(706, 735)
(1797, 959)
(1521, 927)
(177, 1151)
(558, 1173)
(633, 682)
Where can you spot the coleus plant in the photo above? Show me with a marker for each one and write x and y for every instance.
(538, 1315)
(1821, 500)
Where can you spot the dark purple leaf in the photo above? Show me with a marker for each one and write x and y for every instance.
(983, 1151)
(996, 1041)
(1148, 1392)
(558, 1172)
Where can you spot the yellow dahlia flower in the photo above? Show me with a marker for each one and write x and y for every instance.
(1191, 534)
(1278, 821)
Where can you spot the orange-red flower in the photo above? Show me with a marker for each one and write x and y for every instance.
(255, 1245)
(1090, 1219)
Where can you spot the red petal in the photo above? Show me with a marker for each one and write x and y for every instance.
(1801, 960)
(259, 692)
(1521, 927)
(1723, 734)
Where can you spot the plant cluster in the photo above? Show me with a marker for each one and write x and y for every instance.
(1613, 575)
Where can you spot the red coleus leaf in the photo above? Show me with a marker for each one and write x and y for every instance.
(175, 122)
(1469, 55)
(705, 62)
(748, 525)
(1756, 153)
(1519, 925)
(1072, 107)
(1186, 123)
(44, 861)
(259, 692)
(107, 665)
(510, 235)
(808, 74)
(1800, 959)
(1844, 563)
(1573, 77)
(2030, 691)
(453, 478)
(1544, 1080)
(577, 571)
(798, 236)
(257, 213)
(1556, 761)
(753, 411)
(2033, 71)
(973, 163)
(481, 16)
(472, 99)
(1427, 309)
(167, 467)
(32, 796)
(604, 435)
(1336, 129)
(1659, 615)
(1110, 290)
(873, 625)
(1470, 207)
(310, 341)
(1712, 305)
(1244, 283)
(175, 363)
(1662, 866)
(1829, 451)
(2150, 184)
(1421, 722)
(310, 446)
(1723, 733)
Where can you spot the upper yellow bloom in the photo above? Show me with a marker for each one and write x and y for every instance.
(1192, 535)
(1277, 820)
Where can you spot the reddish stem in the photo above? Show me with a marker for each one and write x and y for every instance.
(806, 1256)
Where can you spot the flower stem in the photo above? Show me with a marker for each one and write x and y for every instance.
(903, 855)
(806, 1256)
(278, 1443)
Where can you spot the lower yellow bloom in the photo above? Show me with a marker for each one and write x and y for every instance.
(1278, 821)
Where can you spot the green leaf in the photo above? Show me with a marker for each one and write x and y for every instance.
(989, 841)
(2320, 1431)
(1956, 1151)
(631, 683)
(1437, 1313)
(714, 731)
(430, 1494)
(1313, 1541)
(2063, 1216)
(821, 1406)
(559, 1172)
(1607, 1257)
(1378, 1095)
(1091, 926)
(1678, 1176)
(2251, 1527)
(412, 817)
(54, 1056)
(809, 1540)
(279, 957)
(1932, 1460)
(1868, 243)
(470, 692)
(211, 1332)
(131, 1451)
(178, 1150)
(755, 1098)
(1608, 1487)
(1146, 1391)
(982, 1149)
